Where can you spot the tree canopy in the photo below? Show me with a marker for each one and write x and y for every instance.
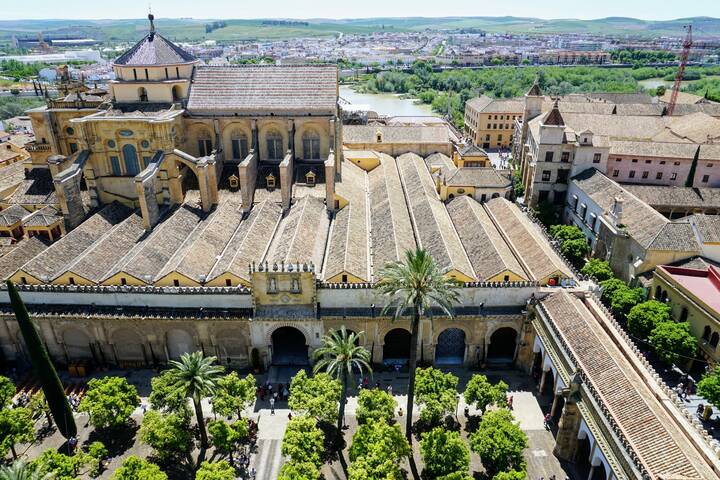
(16, 426)
(709, 387)
(499, 442)
(481, 393)
(644, 317)
(436, 393)
(379, 435)
(375, 404)
(444, 452)
(234, 394)
(226, 438)
(299, 471)
(60, 466)
(168, 434)
(609, 287)
(673, 342)
(565, 233)
(166, 396)
(624, 298)
(303, 440)
(220, 470)
(109, 401)
(317, 396)
(134, 468)
(7, 391)
(599, 269)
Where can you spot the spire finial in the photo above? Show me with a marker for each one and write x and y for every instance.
(151, 17)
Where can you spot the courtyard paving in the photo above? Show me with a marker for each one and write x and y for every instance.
(529, 410)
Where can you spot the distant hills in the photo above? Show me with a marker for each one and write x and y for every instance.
(185, 29)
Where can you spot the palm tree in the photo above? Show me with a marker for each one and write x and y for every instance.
(196, 375)
(338, 356)
(21, 471)
(415, 284)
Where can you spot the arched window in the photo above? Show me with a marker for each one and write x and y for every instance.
(239, 145)
(706, 333)
(714, 339)
(311, 145)
(130, 159)
(176, 92)
(658, 292)
(205, 146)
(684, 314)
(274, 142)
(142, 94)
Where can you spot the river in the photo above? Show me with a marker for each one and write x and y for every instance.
(386, 104)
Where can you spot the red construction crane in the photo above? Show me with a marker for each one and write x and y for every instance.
(687, 45)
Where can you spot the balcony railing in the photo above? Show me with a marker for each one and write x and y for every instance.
(37, 147)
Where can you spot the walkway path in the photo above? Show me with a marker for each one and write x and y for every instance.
(271, 429)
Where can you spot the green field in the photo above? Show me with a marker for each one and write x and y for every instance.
(194, 29)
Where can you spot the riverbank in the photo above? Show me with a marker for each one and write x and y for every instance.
(387, 104)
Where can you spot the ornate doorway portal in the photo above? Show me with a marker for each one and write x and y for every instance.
(450, 348)
(289, 347)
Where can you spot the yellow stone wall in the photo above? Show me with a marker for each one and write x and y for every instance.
(172, 277)
(118, 279)
(261, 282)
(698, 318)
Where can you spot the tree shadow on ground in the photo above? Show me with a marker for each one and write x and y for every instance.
(116, 440)
(334, 442)
(473, 422)
(177, 467)
(422, 426)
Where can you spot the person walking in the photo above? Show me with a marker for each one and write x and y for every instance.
(272, 405)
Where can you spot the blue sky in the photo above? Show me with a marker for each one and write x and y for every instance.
(98, 9)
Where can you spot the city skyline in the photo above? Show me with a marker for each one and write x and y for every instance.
(326, 9)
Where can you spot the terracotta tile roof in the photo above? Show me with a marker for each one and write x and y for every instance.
(685, 151)
(676, 197)
(46, 216)
(481, 177)
(36, 189)
(485, 104)
(442, 162)
(391, 229)
(259, 89)
(22, 252)
(641, 221)
(199, 256)
(526, 240)
(348, 248)
(148, 257)
(485, 247)
(301, 234)
(59, 256)
(434, 230)
(364, 134)
(11, 176)
(660, 444)
(554, 118)
(677, 236)
(97, 262)
(682, 97)
(12, 215)
(249, 242)
(154, 49)
(712, 109)
(707, 227)
(472, 150)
